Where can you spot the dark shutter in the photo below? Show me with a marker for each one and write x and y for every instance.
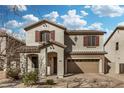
(85, 40)
(52, 35)
(97, 40)
(37, 36)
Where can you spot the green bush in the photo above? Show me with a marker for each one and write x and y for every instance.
(30, 78)
(13, 73)
(50, 82)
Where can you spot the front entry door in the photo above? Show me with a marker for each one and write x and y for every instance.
(55, 65)
(35, 63)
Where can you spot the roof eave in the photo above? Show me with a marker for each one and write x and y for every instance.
(119, 27)
(40, 22)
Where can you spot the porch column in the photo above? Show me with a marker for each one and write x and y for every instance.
(29, 64)
(42, 63)
(101, 65)
(23, 63)
(60, 66)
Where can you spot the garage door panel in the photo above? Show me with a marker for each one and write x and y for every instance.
(83, 66)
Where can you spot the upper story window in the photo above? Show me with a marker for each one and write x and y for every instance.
(117, 46)
(91, 40)
(44, 36)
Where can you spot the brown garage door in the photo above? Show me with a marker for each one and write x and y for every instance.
(83, 66)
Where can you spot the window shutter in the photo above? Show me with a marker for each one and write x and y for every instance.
(52, 35)
(37, 36)
(85, 40)
(97, 40)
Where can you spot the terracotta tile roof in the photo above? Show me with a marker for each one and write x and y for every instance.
(85, 32)
(36, 49)
(88, 53)
(58, 44)
(28, 49)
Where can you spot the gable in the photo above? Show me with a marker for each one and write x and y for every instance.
(41, 23)
(116, 29)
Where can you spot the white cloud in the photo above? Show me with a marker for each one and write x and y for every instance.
(52, 16)
(30, 18)
(16, 28)
(108, 33)
(96, 26)
(13, 24)
(121, 24)
(84, 13)
(87, 6)
(108, 10)
(7, 30)
(21, 34)
(17, 7)
(72, 20)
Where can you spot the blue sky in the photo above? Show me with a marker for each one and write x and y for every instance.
(95, 17)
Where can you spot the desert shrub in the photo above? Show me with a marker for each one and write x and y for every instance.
(50, 82)
(30, 78)
(13, 73)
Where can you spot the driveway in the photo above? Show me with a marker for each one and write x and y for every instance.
(117, 76)
(74, 81)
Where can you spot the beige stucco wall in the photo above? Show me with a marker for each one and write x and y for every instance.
(25, 60)
(30, 34)
(60, 58)
(115, 57)
(59, 36)
(78, 45)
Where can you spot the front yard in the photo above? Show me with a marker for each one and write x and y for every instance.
(74, 81)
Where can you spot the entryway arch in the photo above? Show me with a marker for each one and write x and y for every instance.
(33, 62)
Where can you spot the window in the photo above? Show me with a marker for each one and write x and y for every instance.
(44, 36)
(91, 40)
(75, 38)
(117, 46)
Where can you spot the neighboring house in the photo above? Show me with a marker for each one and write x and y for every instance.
(115, 49)
(9, 58)
(53, 50)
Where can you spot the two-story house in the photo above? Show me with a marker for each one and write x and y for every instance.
(8, 55)
(52, 49)
(115, 48)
